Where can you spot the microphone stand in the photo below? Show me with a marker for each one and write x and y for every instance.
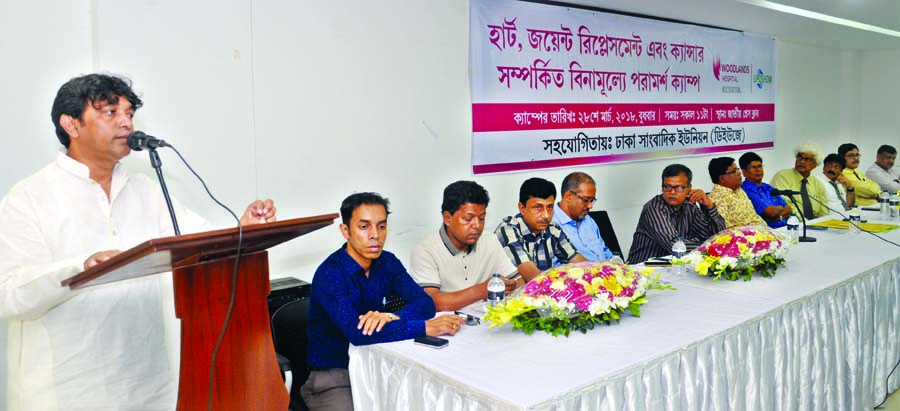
(157, 165)
(804, 238)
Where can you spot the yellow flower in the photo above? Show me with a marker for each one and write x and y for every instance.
(620, 275)
(500, 314)
(612, 285)
(576, 272)
(594, 287)
(704, 264)
(558, 284)
(725, 239)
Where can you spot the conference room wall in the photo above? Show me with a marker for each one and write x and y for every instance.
(394, 117)
(38, 56)
(306, 103)
(879, 103)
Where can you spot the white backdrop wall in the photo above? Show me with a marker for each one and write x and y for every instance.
(880, 105)
(307, 102)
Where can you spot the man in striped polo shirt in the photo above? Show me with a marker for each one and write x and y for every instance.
(532, 241)
(680, 211)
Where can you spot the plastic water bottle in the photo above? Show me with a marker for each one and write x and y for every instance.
(895, 201)
(884, 202)
(793, 228)
(496, 289)
(678, 251)
(855, 220)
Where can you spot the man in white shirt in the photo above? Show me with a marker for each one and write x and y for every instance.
(883, 172)
(839, 191)
(104, 347)
(454, 264)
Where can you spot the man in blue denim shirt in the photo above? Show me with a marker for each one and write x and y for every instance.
(348, 293)
(571, 214)
(773, 209)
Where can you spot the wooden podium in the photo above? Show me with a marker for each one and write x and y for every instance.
(246, 375)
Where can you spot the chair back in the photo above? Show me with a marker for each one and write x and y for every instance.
(289, 333)
(607, 232)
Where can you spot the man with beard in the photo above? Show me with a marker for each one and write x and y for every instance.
(454, 264)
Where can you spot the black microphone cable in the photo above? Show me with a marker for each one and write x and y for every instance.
(851, 222)
(234, 276)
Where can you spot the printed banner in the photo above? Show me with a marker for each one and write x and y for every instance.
(555, 86)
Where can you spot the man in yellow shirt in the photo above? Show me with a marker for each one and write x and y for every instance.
(734, 205)
(798, 179)
(867, 191)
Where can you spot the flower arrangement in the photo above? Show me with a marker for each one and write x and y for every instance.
(575, 296)
(738, 252)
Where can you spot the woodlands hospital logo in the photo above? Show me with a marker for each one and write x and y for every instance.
(728, 72)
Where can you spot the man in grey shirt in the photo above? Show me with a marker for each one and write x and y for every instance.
(883, 172)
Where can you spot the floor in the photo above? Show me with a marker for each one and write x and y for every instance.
(892, 403)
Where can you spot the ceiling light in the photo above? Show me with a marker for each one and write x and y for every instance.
(821, 17)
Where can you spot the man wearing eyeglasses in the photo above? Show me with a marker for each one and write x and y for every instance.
(680, 211)
(807, 157)
(731, 200)
(532, 241)
(577, 197)
(867, 191)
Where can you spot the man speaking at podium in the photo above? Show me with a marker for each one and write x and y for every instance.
(104, 347)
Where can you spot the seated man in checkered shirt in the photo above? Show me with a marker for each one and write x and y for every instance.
(530, 238)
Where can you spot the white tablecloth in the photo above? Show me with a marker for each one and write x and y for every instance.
(821, 335)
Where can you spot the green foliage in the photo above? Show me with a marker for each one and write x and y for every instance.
(766, 267)
(558, 324)
(655, 284)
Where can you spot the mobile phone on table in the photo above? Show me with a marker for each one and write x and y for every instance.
(666, 260)
(861, 221)
(433, 342)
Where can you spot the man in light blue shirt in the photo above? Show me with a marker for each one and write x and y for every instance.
(571, 214)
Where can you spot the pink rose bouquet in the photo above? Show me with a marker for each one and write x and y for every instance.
(575, 296)
(738, 252)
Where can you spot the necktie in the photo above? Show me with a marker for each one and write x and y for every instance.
(839, 196)
(807, 206)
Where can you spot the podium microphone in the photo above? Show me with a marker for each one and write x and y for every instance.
(138, 141)
(777, 192)
(790, 194)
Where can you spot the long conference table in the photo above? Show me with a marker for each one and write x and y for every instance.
(823, 334)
